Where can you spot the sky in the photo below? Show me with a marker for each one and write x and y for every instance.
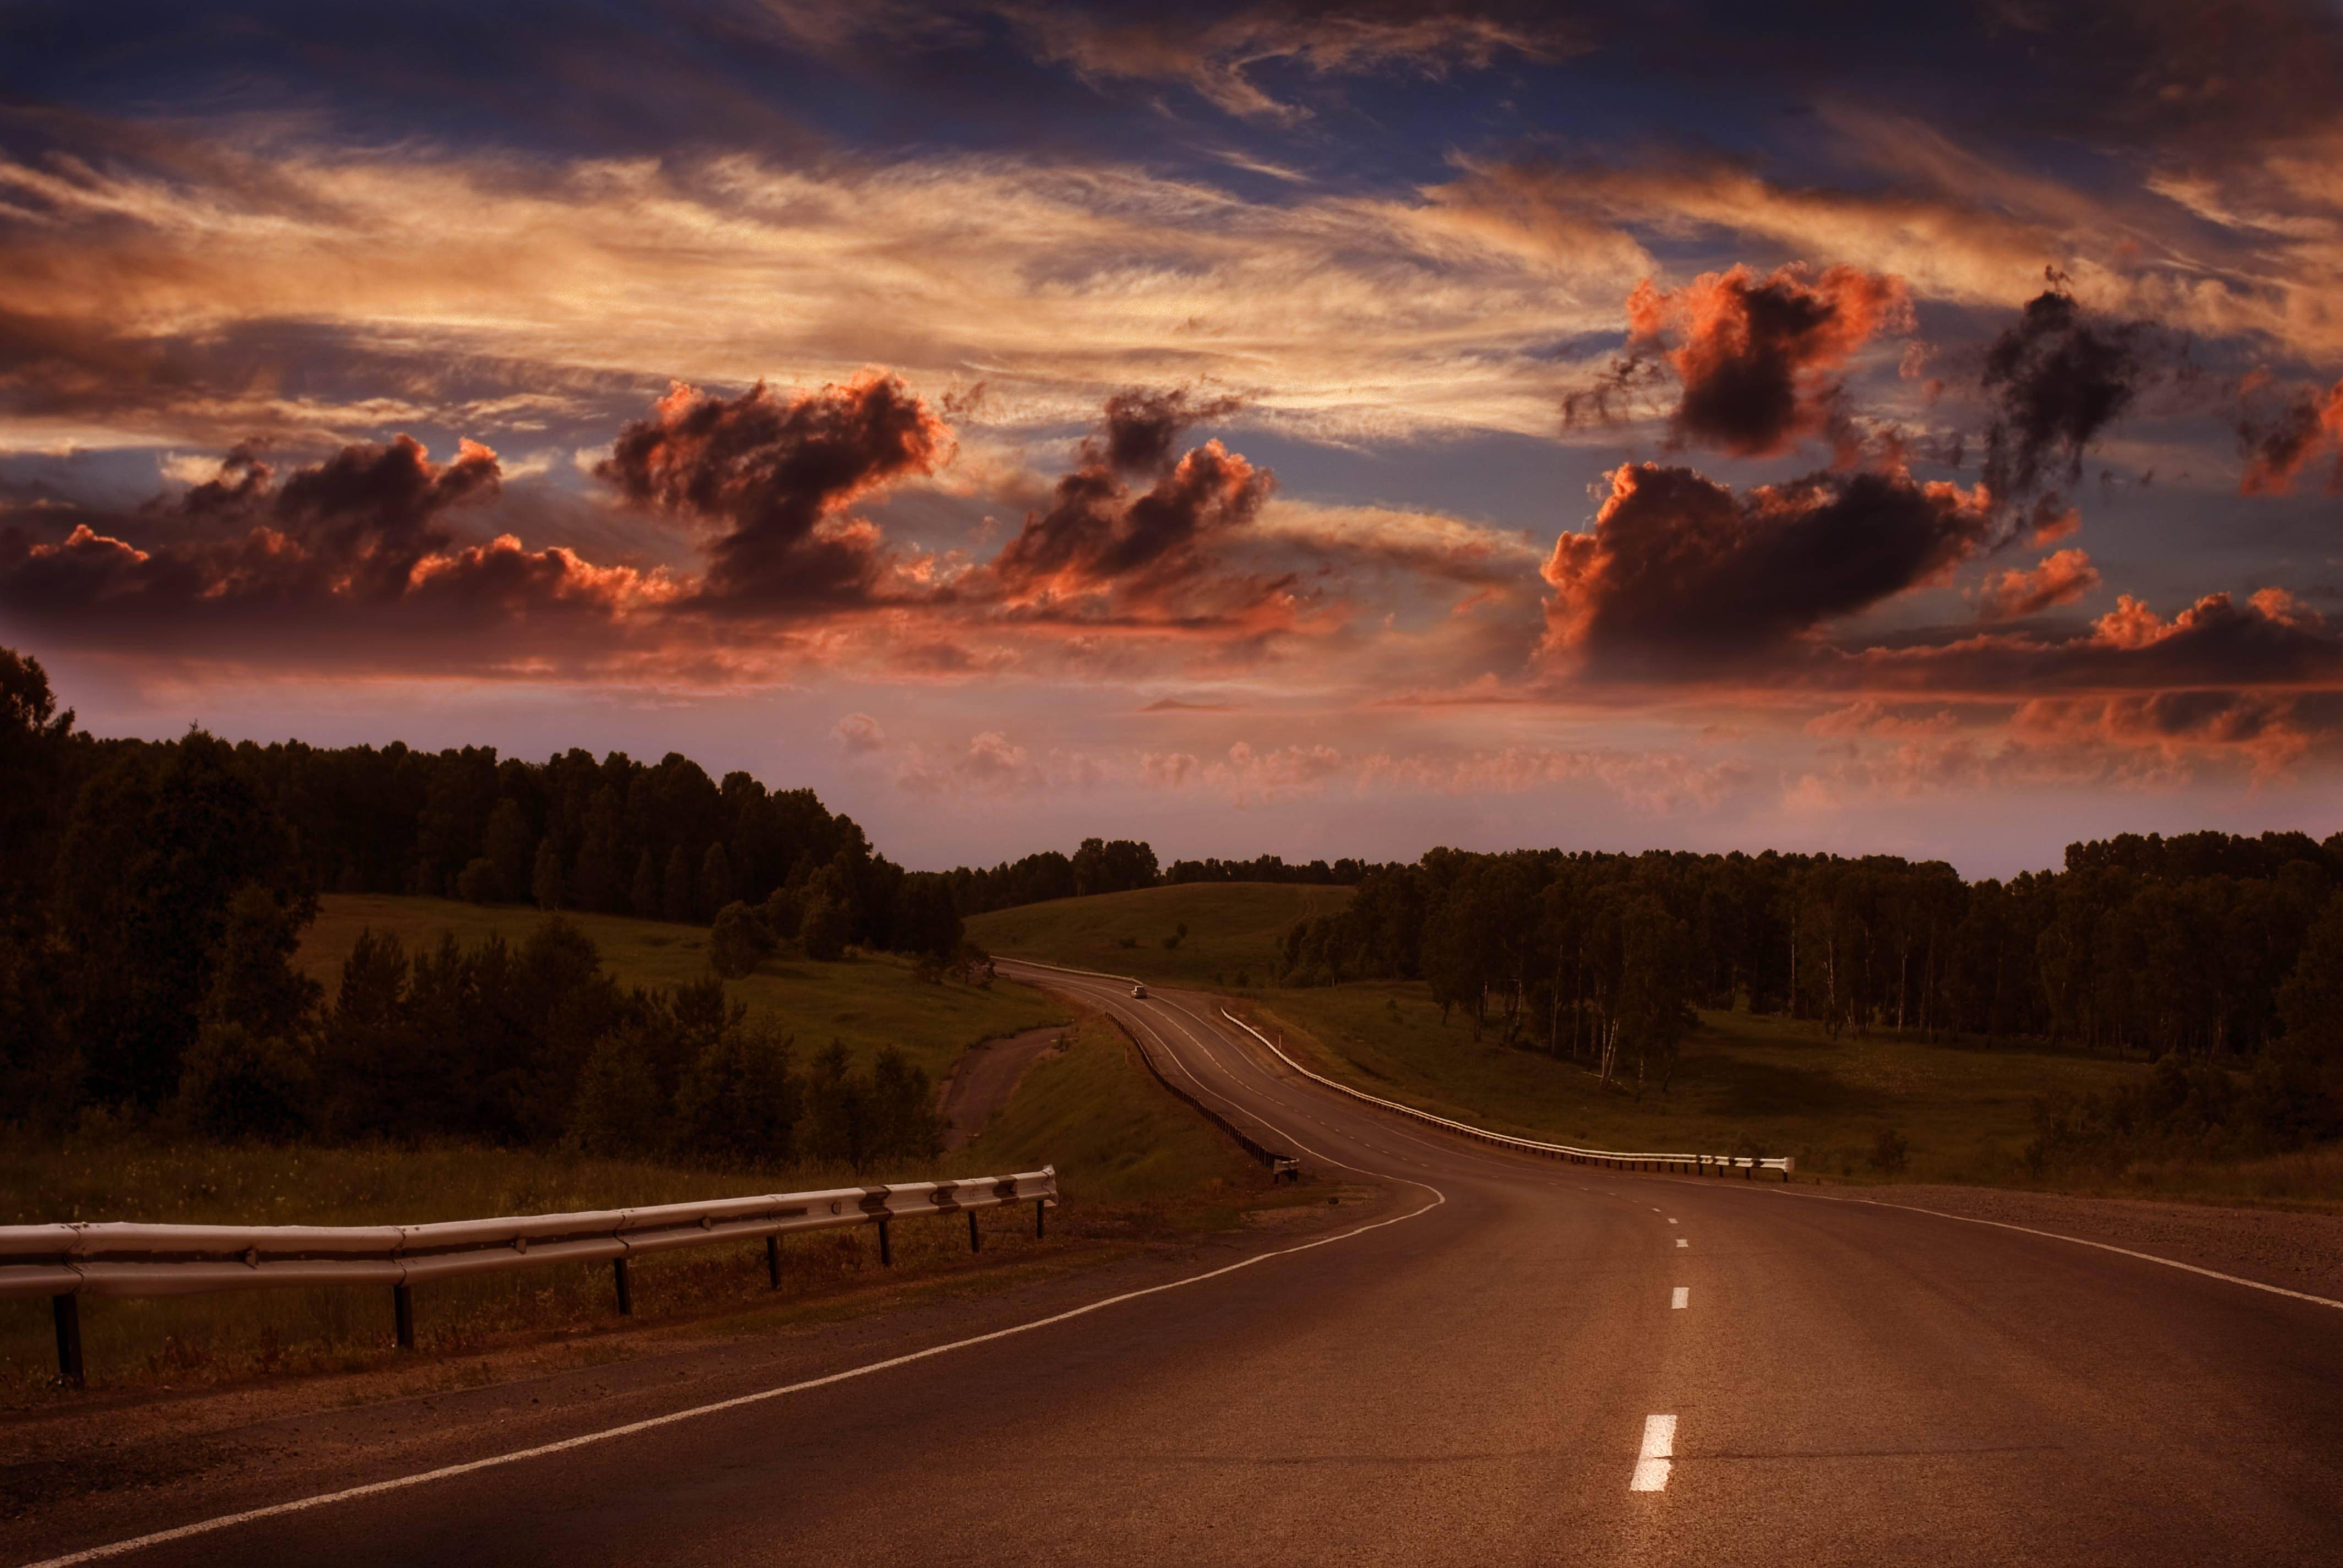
(1257, 429)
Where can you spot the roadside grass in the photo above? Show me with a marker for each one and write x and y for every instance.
(1234, 928)
(1116, 1135)
(1742, 1084)
(1750, 1084)
(1134, 1163)
(868, 1000)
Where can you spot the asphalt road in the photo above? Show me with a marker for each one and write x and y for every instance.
(1504, 1360)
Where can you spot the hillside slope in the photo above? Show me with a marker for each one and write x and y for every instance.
(868, 1001)
(1234, 931)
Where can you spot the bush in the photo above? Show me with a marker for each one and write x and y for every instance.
(617, 1110)
(825, 930)
(236, 1085)
(738, 942)
(858, 1118)
(740, 1103)
(480, 882)
(1891, 1150)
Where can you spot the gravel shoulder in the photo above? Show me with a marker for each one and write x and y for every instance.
(2298, 1251)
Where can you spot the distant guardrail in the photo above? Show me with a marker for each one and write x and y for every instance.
(1282, 1166)
(69, 1261)
(1618, 1160)
(1703, 1164)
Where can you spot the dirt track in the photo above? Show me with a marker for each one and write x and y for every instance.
(986, 1076)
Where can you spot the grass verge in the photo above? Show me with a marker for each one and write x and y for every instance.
(1747, 1084)
(1134, 1166)
(1233, 929)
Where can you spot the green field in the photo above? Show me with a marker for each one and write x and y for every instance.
(1234, 929)
(868, 1001)
(1744, 1083)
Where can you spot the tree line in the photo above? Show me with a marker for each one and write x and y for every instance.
(2204, 948)
(152, 894)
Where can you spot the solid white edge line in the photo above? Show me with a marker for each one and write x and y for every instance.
(205, 1526)
(2078, 1241)
(1652, 1465)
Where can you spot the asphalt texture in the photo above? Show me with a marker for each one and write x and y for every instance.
(1469, 1375)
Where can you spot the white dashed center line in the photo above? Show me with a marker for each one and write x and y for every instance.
(1682, 1299)
(1659, 1446)
(1682, 1242)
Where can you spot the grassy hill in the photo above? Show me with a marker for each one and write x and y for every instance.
(1234, 929)
(1742, 1082)
(868, 1001)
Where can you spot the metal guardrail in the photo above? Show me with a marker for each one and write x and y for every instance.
(1617, 1159)
(67, 1261)
(1282, 1167)
(1703, 1164)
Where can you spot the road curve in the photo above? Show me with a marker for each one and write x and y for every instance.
(1506, 1360)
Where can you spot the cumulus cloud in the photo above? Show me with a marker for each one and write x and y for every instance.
(774, 474)
(2059, 578)
(350, 557)
(2279, 441)
(2271, 642)
(1104, 548)
(1679, 571)
(1756, 358)
(859, 734)
(990, 764)
(1650, 783)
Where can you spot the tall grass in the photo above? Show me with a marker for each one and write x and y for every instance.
(1132, 1160)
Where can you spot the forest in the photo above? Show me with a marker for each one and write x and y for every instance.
(2219, 958)
(153, 893)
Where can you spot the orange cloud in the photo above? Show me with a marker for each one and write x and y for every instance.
(1756, 358)
(1679, 571)
(2059, 578)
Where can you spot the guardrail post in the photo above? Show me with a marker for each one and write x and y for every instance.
(626, 1287)
(1040, 1207)
(975, 1242)
(886, 1251)
(402, 1316)
(66, 1311)
(773, 1261)
(1752, 1176)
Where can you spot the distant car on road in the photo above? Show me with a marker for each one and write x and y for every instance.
(1139, 992)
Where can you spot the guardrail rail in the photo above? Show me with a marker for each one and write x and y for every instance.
(1282, 1167)
(68, 1260)
(1617, 1159)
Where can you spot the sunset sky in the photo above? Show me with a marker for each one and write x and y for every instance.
(1263, 429)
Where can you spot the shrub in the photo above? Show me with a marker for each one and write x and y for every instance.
(740, 1103)
(738, 940)
(1891, 1150)
(236, 1085)
(617, 1110)
(825, 930)
(480, 882)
